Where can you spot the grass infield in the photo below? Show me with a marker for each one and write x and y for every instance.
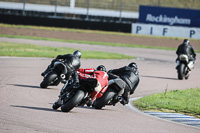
(177, 101)
(28, 50)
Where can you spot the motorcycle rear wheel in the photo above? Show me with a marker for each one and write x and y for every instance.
(181, 71)
(48, 79)
(75, 100)
(102, 101)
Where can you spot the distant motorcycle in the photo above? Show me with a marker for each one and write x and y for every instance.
(72, 96)
(184, 67)
(111, 96)
(56, 75)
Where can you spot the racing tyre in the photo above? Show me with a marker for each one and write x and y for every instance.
(181, 72)
(48, 79)
(102, 101)
(75, 100)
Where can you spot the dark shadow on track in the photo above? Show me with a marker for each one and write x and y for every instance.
(159, 77)
(40, 108)
(35, 108)
(27, 86)
(86, 107)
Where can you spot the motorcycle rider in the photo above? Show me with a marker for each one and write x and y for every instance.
(100, 75)
(73, 61)
(130, 75)
(186, 48)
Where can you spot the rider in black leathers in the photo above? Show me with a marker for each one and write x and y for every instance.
(130, 75)
(72, 63)
(186, 48)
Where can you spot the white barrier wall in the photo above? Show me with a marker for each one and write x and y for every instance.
(168, 31)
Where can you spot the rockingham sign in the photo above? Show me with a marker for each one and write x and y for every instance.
(172, 22)
(168, 20)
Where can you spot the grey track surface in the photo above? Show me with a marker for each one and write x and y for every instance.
(27, 108)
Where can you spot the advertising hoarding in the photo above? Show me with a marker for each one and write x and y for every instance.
(169, 16)
(164, 30)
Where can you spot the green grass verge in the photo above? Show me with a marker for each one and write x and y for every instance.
(87, 42)
(27, 50)
(177, 101)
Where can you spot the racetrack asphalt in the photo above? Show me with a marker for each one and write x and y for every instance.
(25, 107)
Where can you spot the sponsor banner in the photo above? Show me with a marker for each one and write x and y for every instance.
(168, 31)
(169, 16)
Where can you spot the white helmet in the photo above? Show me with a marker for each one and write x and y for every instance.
(186, 41)
(77, 53)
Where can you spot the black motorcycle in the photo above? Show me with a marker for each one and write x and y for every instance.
(75, 95)
(55, 75)
(183, 69)
(112, 94)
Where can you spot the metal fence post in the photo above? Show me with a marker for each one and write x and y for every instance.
(72, 3)
(120, 13)
(66, 2)
(113, 3)
(158, 2)
(24, 7)
(88, 6)
(56, 4)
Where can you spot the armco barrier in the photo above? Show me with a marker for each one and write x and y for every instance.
(67, 23)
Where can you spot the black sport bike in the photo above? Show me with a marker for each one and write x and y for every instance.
(55, 75)
(73, 95)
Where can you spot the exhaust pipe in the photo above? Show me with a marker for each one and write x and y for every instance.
(62, 76)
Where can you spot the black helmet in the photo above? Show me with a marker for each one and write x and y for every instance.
(133, 65)
(77, 53)
(186, 41)
(101, 68)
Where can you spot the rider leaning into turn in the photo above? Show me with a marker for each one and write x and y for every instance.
(72, 60)
(186, 48)
(100, 74)
(130, 75)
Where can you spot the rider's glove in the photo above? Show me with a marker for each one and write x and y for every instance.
(110, 71)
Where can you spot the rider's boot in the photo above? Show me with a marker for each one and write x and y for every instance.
(125, 98)
(177, 64)
(49, 67)
(89, 102)
(57, 104)
(46, 71)
(124, 101)
(116, 99)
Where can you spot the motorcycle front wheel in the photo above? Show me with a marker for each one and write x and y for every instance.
(102, 101)
(73, 101)
(48, 79)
